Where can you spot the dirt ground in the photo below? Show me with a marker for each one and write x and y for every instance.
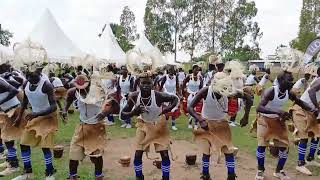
(245, 164)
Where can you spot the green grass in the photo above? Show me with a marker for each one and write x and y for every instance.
(241, 139)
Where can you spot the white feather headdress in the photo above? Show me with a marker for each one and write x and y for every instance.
(144, 63)
(222, 84)
(29, 53)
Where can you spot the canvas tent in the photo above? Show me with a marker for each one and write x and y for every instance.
(107, 48)
(143, 44)
(48, 33)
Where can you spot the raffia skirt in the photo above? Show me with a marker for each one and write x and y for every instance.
(272, 129)
(8, 131)
(217, 139)
(88, 140)
(39, 132)
(156, 134)
(305, 123)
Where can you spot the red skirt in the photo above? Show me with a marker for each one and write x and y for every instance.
(198, 107)
(233, 107)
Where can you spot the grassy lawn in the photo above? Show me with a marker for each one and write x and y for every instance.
(241, 139)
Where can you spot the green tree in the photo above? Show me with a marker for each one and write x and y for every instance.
(216, 17)
(157, 25)
(178, 9)
(5, 36)
(119, 33)
(194, 21)
(127, 20)
(309, 25)
(241, 25)
(243, 54)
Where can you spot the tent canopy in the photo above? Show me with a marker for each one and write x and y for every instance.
(48, 33)
(107, 48)
(143, 44)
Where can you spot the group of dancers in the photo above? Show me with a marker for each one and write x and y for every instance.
(31, 109)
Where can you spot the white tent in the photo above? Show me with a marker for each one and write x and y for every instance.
(48, 33)
(143, 44)
(107, 48)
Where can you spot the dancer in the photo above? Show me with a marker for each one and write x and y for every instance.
(271, 123)
(181, 77)
(302, 84)
(252, 78)
(89, 138)
(265, 79)
(170, 84)
(215, 65)
(125, 86)
(151, 126)
(10, 108)
(59, 91)
(193, 83)
(215, 131)
(42, 122)
(108, 86)
(307, 126)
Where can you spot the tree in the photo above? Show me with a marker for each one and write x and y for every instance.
(243, 54)
(216, 16)
(178, 9)
(309, 25)
(157, 25)
(119, 32)
(194, 21)
(240, 25)
(127, 21)
(5, 36)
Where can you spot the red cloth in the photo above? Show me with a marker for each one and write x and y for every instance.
(176, 114)
(233, 107)
(198, 107)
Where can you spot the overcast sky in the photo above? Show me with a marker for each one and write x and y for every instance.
(278, 19)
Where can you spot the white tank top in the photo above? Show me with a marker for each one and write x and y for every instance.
(57, 82)
(88, 112)
(153, 110)
(181, 77)
(10, 103)
(108, 86)
(264, 80)
(276, 103)
(306, 98)
(299, 84)
(170, 84)
(124, 85)
(39, 101)
(193, 86)
(251, 80)
(214, 109)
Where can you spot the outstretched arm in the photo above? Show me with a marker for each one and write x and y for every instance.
(128, 111)
(299, 102)
(315, 87)
(6, 87)
(162, 97)
(71, 96)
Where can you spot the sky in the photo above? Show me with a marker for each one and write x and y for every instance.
(278, 19)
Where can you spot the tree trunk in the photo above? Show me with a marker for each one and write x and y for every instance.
(175, 40)
(214, 26)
